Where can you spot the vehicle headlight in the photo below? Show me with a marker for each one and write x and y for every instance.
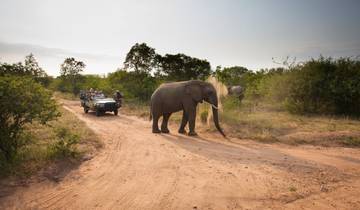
(99, 105)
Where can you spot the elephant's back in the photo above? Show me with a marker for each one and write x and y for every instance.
(169, 92)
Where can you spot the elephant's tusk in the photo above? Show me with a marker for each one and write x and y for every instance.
(215, 107)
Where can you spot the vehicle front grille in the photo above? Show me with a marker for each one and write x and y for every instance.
(110, 106)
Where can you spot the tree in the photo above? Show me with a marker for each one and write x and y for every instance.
(12, 69)
(141, 58)
(182, 67)
(22, 101)
(70, 72)
(133, 85)
(32, 66)
(231, 75)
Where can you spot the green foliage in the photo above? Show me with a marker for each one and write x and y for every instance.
(143, 72)
(65, 145)
(231, 103)
(133, 84)
(180, 67)
(30, 68)
(232, 75)
(318, 86)
(141, 58)
(22, 100)
(325, 86)
(70, 74)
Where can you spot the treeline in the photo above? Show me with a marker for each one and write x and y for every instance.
(143, 71)
(319, 86)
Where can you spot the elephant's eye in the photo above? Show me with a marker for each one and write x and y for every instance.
(209, 92)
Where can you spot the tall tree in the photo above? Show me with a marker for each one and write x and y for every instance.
(70, 71)
(141, 58)
(182, 67)
(231, 75)
(32, 66)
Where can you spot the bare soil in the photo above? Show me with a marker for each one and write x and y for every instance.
(140, 170)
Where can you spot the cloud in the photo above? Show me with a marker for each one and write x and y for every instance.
(51, 58)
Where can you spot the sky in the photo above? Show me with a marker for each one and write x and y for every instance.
(246, 33)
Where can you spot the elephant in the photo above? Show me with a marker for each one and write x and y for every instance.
(237, 91)
(176, 96)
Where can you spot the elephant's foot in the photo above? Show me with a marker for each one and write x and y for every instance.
(165, 130)
(156, 131)
(182, 131)
(192, 133)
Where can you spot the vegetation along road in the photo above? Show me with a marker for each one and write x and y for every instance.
(140, 170)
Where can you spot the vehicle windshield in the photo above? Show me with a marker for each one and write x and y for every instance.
(99, 96)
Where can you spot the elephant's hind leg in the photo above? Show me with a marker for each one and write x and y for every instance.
(155, 126)
(184, 121)
(164, 124)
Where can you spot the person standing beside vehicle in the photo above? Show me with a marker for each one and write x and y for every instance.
(118, 97)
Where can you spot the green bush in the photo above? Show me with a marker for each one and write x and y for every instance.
(325, 86)
(65, 145)
(22, 101)
(318, 86)
(134, 84)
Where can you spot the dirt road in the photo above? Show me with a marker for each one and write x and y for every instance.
(140, 170)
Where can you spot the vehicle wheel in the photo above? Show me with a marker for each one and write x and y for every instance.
(116, 112)
(86, 110)
(98, 113)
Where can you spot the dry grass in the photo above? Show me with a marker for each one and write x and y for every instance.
(267, 123)
(39, 151)
(135, 108)
(67, 96)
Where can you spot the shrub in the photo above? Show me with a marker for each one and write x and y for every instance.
(65, 145)
(325, 86)
(134, 84)
(22, 100)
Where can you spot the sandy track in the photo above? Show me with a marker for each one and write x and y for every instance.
(140, 170)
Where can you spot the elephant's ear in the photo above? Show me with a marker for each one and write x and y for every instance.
(195, 92)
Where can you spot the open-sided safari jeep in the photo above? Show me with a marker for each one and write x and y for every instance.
(99, 103)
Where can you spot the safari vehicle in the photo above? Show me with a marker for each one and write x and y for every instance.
(99, 103)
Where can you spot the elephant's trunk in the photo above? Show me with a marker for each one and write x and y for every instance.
(216, 120)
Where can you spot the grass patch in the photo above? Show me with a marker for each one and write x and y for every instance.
(136, 108)
(67, 96)
(351, 141)
(65, 138)
(267, 123)
(292, 189)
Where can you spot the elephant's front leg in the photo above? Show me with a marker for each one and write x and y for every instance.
(192, 117)
(164, 124)
(184, 121)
